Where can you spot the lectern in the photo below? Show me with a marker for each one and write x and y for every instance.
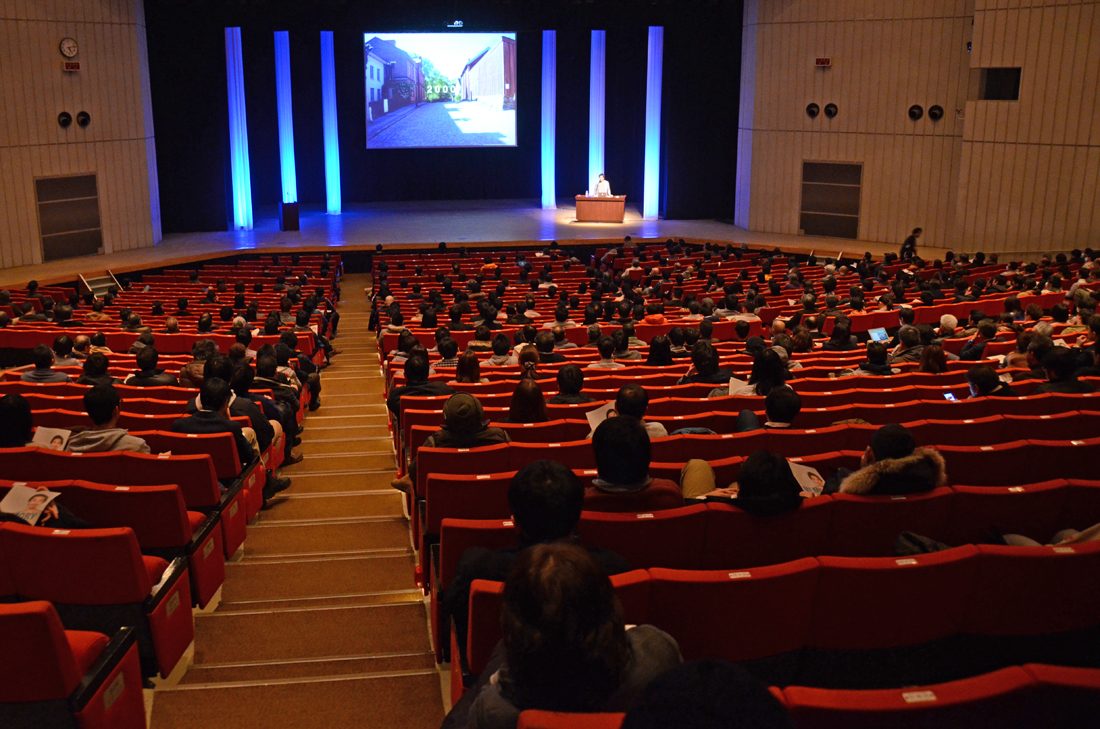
(608, 209)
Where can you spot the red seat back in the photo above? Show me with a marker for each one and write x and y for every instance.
(670, 538)
(866, 526)
(38, 664)
(738, 539)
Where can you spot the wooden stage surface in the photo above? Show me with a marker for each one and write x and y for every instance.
(411, 225)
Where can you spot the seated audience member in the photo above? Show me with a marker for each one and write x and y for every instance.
(528, 404)
(16, 422)
(191, 373)
(984, 382)
(502, 353)
(975, 348)
(544, 344)
(97, 313)
(877, 362)
(465, 425)
(482, 341)
(570, 384)
(81, 343)
(448, 353)
(98, 343)
(622, 451)
(104, 406)
(148, 374)
(623, 352)
(267, 376)
(708, 694)
(545, 500)
(1060, 365)
(781, 406)
(560, 339)
(468, 369)
(95, 371)
(841, 339)
(273, 421)
(43, 371)
(909, 348)
(933, 360)
(63, 352)
(632, 401)
(565, 647)
(893, 465)
(145, 339)
(528, 361)
(660, 352)
(705, 366)
(606, 347)
(416, 383)
(768, 373)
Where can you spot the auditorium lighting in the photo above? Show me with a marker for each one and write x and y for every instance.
(238, 131)
(285, 108)
(328, 123)
(549, 95)
(651, 177)
(596, 107)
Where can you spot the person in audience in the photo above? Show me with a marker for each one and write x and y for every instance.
(909, 347)
(975, 348)
(502, 353)
(528, 361)
(95, 371)
(632, 401)
(148, 374)
(104, 407)
(781, 406)
(528, 404)
(570, 384)
(841, 339)
(17, 423)
(933, 360)
(98, 344)
(660, 352)
(191, 374)
(43, 371)
(606, 347)
(1060, 365)
(768, 373)
(706, 367)
(565, 646)
(622, 450)
(145, 339)
(544, 344)
(482, 341)
(468, 369)
(97, 313)
(81, 343)
(448, 353)
(623, 352)
(984, 382)
(545, 500)
(893, 465)
(416, 383)
(708, 694)
(561, 341)
(465, 425)
(63, 352)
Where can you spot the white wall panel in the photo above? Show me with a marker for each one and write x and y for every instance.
(112, 86)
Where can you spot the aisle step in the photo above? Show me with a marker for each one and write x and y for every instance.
(325, 576)
(275, 539)
(311, 667)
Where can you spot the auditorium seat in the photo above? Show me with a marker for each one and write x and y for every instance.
(864, 526)
(672, 538)
(982, 513)
(1068, 696)
(737, 539)
(99, 580)
(52, 677)
(1001, 698)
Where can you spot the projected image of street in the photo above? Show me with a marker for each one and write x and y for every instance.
(440, 89)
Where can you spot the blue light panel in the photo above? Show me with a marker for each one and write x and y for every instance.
(285, 112)
(328, 113)
(596, 107)
(238, 132)
(549, 97)
(651, 177)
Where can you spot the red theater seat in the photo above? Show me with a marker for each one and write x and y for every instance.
(559, 720)
(1068, 696)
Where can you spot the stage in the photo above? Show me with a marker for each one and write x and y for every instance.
(403, 225)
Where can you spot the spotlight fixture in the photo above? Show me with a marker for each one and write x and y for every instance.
(64, 119)
(831, 110)
(916, 111)
(83, 118)
(812, 110)
(935, 113)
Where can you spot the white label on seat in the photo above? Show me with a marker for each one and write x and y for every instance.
(1016, 489)
(985, 448)
(888, 405)
(897, 498)
(18, 483)
(1064, 550)
(233, 509)
(164, 456)
(508, 523)
(173, 603)
(1044, 417)
(740, 575)
(589, 472)
(811, 430)
(463, 450)
(110, 696)
(905, 562)
(918, 697)
(1077, 442)
(528, 425)
(643, 516)
(553, 445)
(968, 420)
(483, 476)
(208, 549)
(122, 488)
(727, 435)
(61, 532)
(827, 393)
(192, 435)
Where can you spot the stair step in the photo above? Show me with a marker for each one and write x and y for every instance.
(310, 667)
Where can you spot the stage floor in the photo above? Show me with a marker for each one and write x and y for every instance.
(419, 224)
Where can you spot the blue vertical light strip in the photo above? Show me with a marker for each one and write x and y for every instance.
(549, 110)
(328, 124)
(651, 176)
(596, 107)
(240, 170)
(284, 107)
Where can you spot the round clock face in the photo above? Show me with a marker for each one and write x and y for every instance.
(68, 47)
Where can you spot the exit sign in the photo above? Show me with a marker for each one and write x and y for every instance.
(825, 62)
(70, 66)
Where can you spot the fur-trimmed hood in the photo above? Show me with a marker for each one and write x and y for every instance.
(923, 470)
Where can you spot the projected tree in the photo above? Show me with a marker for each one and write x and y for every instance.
(437, 86)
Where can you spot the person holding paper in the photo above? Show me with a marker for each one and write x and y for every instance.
(603, 187)
(104, 406)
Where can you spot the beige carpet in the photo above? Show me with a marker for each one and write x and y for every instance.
(321, 624)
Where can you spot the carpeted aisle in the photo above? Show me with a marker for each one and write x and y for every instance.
(320, 623)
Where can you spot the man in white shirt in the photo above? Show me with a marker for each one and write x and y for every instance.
(603, 187)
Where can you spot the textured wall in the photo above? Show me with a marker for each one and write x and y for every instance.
(112, 86)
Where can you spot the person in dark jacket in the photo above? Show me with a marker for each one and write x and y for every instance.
(95, 371)
(1060, 365)
(416, 383)
(570, 384)
(975, 348)
(984, 382)
(43, 371)
(148, 375)
(893, 465)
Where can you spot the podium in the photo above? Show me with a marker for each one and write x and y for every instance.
(592, 209)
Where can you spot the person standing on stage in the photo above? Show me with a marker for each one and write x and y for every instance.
(909, 247)
(603, 187)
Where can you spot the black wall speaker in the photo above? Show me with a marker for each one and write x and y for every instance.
(916, 111)
(64, 119)
(935, 113)
(831, 110)
(812, 110)
(83, 118)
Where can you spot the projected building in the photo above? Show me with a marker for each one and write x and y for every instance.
(402, 81)
(490, 76)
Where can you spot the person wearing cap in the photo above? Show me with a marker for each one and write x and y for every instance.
(893, 465)
(464, 426)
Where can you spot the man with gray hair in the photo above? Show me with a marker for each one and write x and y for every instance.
(909, 348)
(949, 323)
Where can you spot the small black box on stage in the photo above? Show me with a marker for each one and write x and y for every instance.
(288, 216)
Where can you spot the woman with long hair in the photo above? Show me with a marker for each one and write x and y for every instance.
(768, 372)
(660, 352)
(528, 403)
(468, 369)
(933, 360)
(566, 647)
